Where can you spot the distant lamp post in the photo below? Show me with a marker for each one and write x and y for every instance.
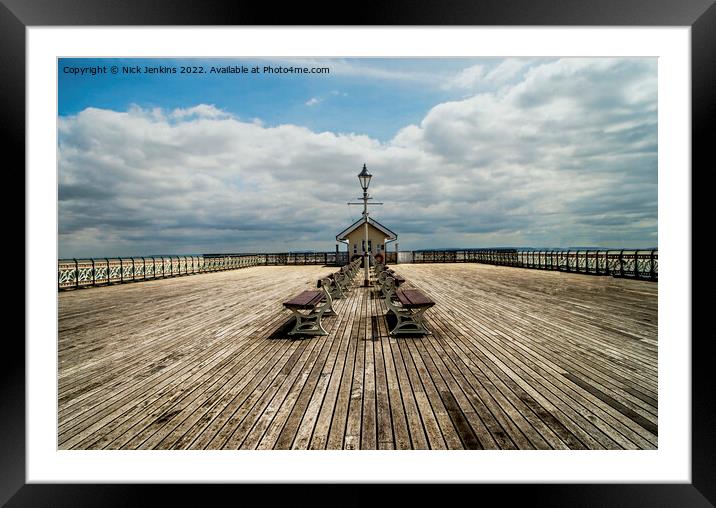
(364, 179)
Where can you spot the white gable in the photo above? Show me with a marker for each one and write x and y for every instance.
(343, 235)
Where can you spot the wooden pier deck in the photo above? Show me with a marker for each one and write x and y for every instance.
(518, 359)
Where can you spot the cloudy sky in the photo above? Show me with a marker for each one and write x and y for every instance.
(464, 153)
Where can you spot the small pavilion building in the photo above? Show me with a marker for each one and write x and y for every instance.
(378, 236)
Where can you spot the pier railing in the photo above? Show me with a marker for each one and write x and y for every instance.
(76, 273)
(639, 264)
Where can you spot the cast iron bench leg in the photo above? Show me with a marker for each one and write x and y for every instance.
(328, 302)
(307, 324)
(337, 289)
(342, 280)
(388, 288)
(310, 323)
(410, 321)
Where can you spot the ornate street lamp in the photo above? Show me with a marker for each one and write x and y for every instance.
(364, 179)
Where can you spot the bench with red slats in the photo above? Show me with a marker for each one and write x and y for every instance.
(408, 307)
(308, 307)
(305, 300)
(413, 298)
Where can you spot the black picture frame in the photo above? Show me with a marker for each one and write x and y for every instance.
(700, 15)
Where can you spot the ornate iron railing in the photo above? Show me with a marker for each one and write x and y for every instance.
(639, 264)
(507, 257)
(76, 273)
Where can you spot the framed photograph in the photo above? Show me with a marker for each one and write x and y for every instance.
(514, 161)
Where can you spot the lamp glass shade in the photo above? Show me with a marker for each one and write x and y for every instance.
(364, 178)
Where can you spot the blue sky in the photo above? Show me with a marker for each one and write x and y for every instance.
(465, 153)
(344, 101)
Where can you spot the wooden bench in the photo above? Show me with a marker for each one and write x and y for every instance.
(387, 286)
(343, 278)
(332, 286)
(377, 266)
(408, 305)
(381, 272)
(309, 307)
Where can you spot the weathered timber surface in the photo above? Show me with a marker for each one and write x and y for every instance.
(518, 359)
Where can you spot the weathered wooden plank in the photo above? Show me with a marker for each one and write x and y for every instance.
(481, 421)
(452, 438)
(167, 410)
(458, 407)
(384, 427)
(517, 359)
(297, 415)
(164, 348)
(398, 420)
(262, 406)
(506, 354)
(114, 405)
(630, 413)
(418, 437)
(184, 435)
(337, 431)
(369, 431)
(323, 426)
(436, 440)
(274, 417)
(505, 374)
(156, 411)
(232, 419)
(309, 425)
(355, 404)
(489, 333)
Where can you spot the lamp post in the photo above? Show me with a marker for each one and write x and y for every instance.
(364, 179)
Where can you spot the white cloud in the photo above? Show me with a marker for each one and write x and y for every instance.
(482, 77)
(566, 155)
(312, 101)
(199, 111)
(507, 71)
(468, 77)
